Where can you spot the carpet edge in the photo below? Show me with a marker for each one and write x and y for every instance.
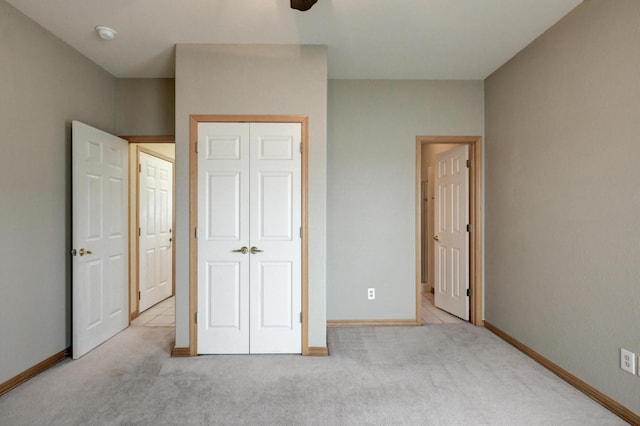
(607, 402)
(33, 371)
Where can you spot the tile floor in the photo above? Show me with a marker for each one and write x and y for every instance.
(433, 315)
(161, 315)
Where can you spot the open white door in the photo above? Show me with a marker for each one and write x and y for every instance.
(155, 235)
(249, 245)
(450, 232)
(99, 237)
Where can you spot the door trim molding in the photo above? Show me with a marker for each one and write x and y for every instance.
(318, 351)
(475, 219)
(180, 352)
(150, 139)
(193, 215)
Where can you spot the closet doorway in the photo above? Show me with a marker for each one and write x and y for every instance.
(202, 230)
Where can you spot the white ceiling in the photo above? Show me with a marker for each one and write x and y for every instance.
(378, 39)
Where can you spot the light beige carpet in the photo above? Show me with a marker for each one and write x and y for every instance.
(432, 375)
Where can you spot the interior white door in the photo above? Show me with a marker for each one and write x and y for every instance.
(450, 233)
(424, 220)
(223, 240)
(275, 221)
(99, 237)
(155, 235)
(249, 248)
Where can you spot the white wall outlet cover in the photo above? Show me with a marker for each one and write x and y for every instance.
(628, 361)
(371, 293)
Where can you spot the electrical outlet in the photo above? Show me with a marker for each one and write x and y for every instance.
(371, 293)
(628, 361)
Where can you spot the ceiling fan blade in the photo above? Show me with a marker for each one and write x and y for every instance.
(302, 4)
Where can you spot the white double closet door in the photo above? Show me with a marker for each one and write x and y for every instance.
(249, 245)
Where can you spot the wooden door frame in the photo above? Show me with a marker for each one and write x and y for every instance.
(194, 120)
(476, 302)
(135, 303)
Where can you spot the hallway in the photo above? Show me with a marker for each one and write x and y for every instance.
(433, 315)
(161, 315)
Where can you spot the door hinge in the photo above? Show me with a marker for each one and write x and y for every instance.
(139, 295)
(468, 164)
(195, 232)
(139, 232)
(196, 147)
(300, 317)
(300, 147)
(139, 168)
(301, 232)
(195, 317)
(469, 227)
(469, 292)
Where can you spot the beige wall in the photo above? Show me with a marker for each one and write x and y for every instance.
(562, 199)
(146, 106)
(254, 79)
(371, 169)
(168, 151)
(44, 84)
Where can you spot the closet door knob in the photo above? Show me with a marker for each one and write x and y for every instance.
(242, 250)
(255, 250)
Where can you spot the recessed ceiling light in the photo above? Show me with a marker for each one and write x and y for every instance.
(106, 33)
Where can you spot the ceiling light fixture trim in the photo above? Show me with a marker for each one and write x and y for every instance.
(106, 33)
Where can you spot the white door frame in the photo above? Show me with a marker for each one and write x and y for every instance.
(193, 216)
(476, 302)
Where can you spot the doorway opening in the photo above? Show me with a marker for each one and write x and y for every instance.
(148, 307)
(195, 121)
(474, 144)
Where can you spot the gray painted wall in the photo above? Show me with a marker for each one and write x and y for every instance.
(145, 106)
(371, 159)
(44, 84)
(562, 199)
(246, 79)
